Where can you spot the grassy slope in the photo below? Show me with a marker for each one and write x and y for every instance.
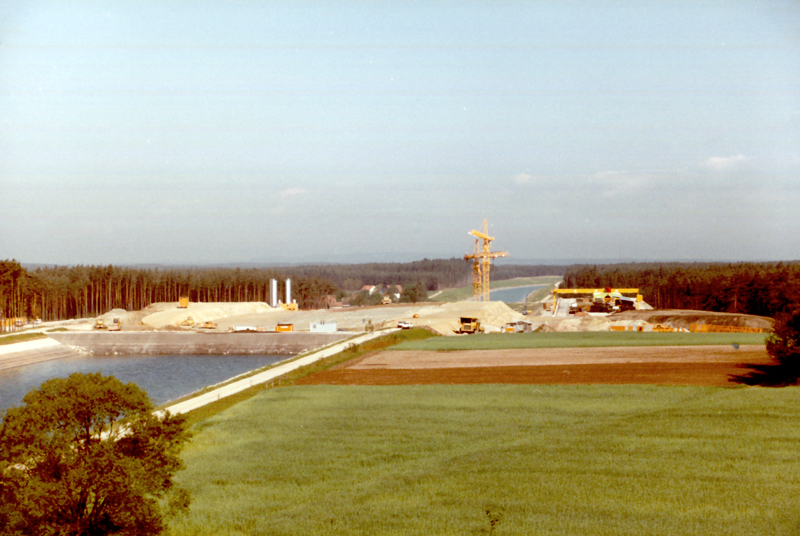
(21, 337)
(496, 341)
(559, 460)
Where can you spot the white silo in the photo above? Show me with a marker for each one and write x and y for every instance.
(273, 292)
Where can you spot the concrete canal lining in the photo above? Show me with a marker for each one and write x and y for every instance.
(30, 352)
(175, 343)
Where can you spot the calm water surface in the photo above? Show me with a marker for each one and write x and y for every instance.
(163, 377)
(513, 295)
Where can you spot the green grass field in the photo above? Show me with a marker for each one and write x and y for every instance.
(497, 341)
(499, 459)
(541, 460)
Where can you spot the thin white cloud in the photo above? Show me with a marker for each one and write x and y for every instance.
(725, 163)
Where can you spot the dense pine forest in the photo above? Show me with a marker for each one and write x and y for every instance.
(766, 289)
(61, 292)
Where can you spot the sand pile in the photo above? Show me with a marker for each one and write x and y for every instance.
(442, 318)
(171, 315)
(445, 318)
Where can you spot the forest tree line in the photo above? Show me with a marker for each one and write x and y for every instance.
(765, 288)
(63, 292)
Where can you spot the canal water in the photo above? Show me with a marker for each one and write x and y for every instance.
(163, 377)
(513, 295)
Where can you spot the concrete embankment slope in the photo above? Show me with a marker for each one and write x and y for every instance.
(149, 343)
(30, 352)
(269, 375)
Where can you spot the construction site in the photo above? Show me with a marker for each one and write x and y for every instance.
(563, 310)
(282, 328)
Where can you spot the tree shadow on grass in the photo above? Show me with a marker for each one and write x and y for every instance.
(771, 375)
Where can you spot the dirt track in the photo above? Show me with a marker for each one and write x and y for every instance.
(669, 365)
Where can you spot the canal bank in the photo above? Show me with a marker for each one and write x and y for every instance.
(167, 343)
(31, 352)
(139, 358)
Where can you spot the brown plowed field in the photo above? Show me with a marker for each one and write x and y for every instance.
(665, 365)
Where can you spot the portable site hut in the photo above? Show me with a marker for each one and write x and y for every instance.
(323, 327)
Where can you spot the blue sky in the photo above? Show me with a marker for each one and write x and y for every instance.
(177, 132)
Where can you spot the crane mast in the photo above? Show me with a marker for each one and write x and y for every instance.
(481, 262)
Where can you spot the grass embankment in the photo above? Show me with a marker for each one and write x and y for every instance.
(498, 341)
(353, 351)
(539, 460)
(21, 337)
(464, 293)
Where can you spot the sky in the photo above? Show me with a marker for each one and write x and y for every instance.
(178, 132)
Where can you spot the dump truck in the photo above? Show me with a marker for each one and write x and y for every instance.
(183, 303)
(469, 324)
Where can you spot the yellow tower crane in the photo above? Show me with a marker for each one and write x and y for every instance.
(481, 263)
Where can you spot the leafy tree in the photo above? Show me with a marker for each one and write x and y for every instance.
(86, 456)
(414, 293)
(783, 345)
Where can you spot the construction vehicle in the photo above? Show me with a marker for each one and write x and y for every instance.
(469, 324)
(189, 322)
(99, 324)
(207, 325)
(289, 306)
(116, 325)
(183, 303)
(603, 300)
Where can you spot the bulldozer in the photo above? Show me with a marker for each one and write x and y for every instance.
(469, 325)
(116, 325)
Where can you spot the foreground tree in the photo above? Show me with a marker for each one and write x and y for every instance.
(783, 346)
(86, 456)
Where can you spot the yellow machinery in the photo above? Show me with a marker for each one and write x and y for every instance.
(469, 325)
(289, 306)
(481, 263)
(183, 303)
(99, 324)
(116, 325)
(608, 293)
